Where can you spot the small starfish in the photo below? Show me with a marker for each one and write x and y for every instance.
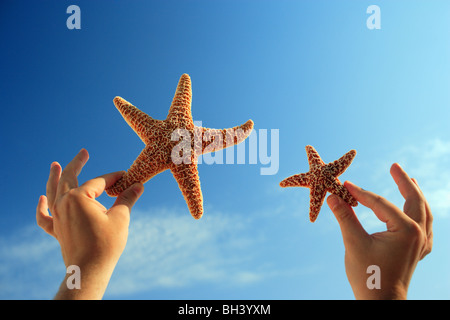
(162, 152)
(321, 178)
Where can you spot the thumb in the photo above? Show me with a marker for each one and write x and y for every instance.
(126, 200)
(351, 228)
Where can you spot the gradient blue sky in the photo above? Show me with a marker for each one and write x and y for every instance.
(311, 69)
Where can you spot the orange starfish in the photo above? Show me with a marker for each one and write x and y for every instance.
(321, 178)
(164, 150)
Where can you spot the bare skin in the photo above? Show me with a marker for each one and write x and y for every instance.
(91, 236)
(407, 240)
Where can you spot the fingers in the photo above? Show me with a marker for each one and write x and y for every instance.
(52, 183)
(68, 179)
(406, 186)
(43, 219)
(428, 224)
(383, 209)
(351, 228)
(429, 215)
(125, 201)
(414, 200)
(96, 186)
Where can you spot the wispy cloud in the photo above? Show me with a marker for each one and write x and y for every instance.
(428, 162)
(166, 249)
(31, 266)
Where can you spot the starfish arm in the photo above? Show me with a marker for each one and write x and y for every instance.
(317, 196)
(180, 109)
(314, 159)
(297, 180)
(226, 137)
(141, 123)
(337, 167)
(147, 165)
(338, 189)
(188, 180)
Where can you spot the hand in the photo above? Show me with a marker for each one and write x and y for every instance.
(91, 236)
(396, 252)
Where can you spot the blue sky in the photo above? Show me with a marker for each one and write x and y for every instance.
(310, 69)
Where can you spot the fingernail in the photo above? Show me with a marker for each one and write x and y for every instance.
(83, 150)
(351, 185)
(396, 164)
(333, 200)
(137, 187)
(121, 173)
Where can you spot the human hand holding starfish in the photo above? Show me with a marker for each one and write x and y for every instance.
(91, 236)
(397, 251)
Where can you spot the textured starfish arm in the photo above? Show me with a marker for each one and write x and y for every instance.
(338, 167)
(226, 137)
(144, 125)
(321, 178)
(297, 180)
(169, 145)
(188, 180)
(341, 191)
(314, 159)
(180, 109)
(147, 165)
(317, 196)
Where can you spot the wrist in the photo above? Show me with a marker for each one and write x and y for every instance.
(393, 292)
(85, 282)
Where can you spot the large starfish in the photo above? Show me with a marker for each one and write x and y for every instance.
(165, 150)
(321, 178)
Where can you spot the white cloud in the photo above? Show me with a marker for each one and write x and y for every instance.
(31, 266)
(428, 162)
(369, 220)
(166, 248)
